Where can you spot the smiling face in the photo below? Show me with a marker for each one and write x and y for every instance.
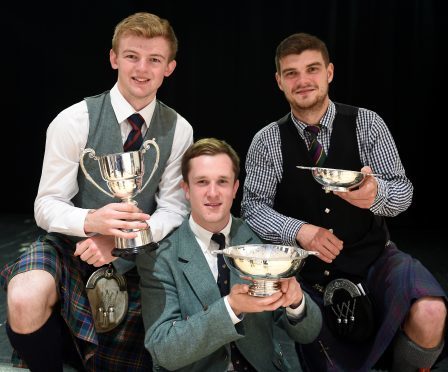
(211, 189)
(304, 79)
(142, 64)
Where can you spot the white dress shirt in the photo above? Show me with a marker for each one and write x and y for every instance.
(207, 245)
(67, 137)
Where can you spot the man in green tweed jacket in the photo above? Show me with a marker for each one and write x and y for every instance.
(190, 325)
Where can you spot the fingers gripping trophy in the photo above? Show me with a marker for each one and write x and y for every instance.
(123, 173)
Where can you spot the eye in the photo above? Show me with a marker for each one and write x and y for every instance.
(132, 57)
(155, 60)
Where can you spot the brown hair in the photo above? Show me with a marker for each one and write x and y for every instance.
(146, 25)
(209, 146)
(298, 43)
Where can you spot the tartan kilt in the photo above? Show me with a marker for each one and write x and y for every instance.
(393, 283)
(121, 349)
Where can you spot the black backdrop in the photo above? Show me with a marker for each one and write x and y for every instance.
(387, 56)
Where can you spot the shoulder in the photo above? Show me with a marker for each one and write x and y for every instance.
(72, 116)
(183, 127)
(240, 228)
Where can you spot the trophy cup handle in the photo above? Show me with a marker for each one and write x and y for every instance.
(92, 155)
(146, 145)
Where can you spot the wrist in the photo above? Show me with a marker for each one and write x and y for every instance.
(87, 222)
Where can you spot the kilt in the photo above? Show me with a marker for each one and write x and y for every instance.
(121, 349)
(393, 283)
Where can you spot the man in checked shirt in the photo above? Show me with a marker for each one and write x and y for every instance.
(285, 205)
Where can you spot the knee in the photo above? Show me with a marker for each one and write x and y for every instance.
(30, 299)
(430, 311)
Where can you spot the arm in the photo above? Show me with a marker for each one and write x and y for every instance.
(169, 327)
(66, 137)
(171, 204)
(263, 174)
(379, 152)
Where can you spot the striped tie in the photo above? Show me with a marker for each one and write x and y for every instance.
(316, 150)
(135, 138)
(239, 362)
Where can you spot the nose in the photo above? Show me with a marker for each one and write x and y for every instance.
(212, 190)
(142, 64)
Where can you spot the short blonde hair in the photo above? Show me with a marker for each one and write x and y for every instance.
(145, 25)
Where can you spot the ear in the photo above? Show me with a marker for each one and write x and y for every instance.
(170, 68)
(279, 81)
(330, 72)
(235, 188)
(113, 59)
(186, 189)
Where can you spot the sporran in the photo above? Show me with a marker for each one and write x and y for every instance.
(348, 310)
(108, 298)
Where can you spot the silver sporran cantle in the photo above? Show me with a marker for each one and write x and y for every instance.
(123, 173)
(264, 264)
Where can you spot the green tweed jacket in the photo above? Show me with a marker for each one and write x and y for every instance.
(187, 325)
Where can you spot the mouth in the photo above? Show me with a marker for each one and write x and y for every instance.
(212, 205)
(303, 91)
(140, 80)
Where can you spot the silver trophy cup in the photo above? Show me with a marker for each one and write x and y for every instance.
(264, 264)
(123, 173)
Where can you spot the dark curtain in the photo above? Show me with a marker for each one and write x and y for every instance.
(387, 56)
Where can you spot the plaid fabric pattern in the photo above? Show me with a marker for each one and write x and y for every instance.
(395, 272)
(121, 349)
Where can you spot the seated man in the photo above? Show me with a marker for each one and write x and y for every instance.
(48, 302)
(191, 322)
(406, 313)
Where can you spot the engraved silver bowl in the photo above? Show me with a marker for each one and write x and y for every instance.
(264, 264)
(337, 179)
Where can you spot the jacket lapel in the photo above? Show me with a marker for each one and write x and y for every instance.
(195, 266)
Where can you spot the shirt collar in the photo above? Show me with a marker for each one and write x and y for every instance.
(204, 236)
(123, 108)
(326, 121)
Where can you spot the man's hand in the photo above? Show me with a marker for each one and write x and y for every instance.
(96, 250)
(365, 195)
(315, 238)
(292, 292)
(242, 302)
(110, 219)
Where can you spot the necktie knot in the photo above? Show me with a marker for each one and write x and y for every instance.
(136, 121)
(220, 239)
(135, 137)
(313, 130)
(316, 150)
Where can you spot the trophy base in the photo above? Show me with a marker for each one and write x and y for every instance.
(131, 247)
(131, 252)
(264, 287)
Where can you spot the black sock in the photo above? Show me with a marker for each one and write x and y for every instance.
(42, 349)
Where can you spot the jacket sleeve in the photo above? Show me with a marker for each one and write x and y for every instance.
(307, 328)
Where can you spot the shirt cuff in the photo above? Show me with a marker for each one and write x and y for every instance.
(235, 319)
(380, 198)
(290, 229)
(295, 314)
